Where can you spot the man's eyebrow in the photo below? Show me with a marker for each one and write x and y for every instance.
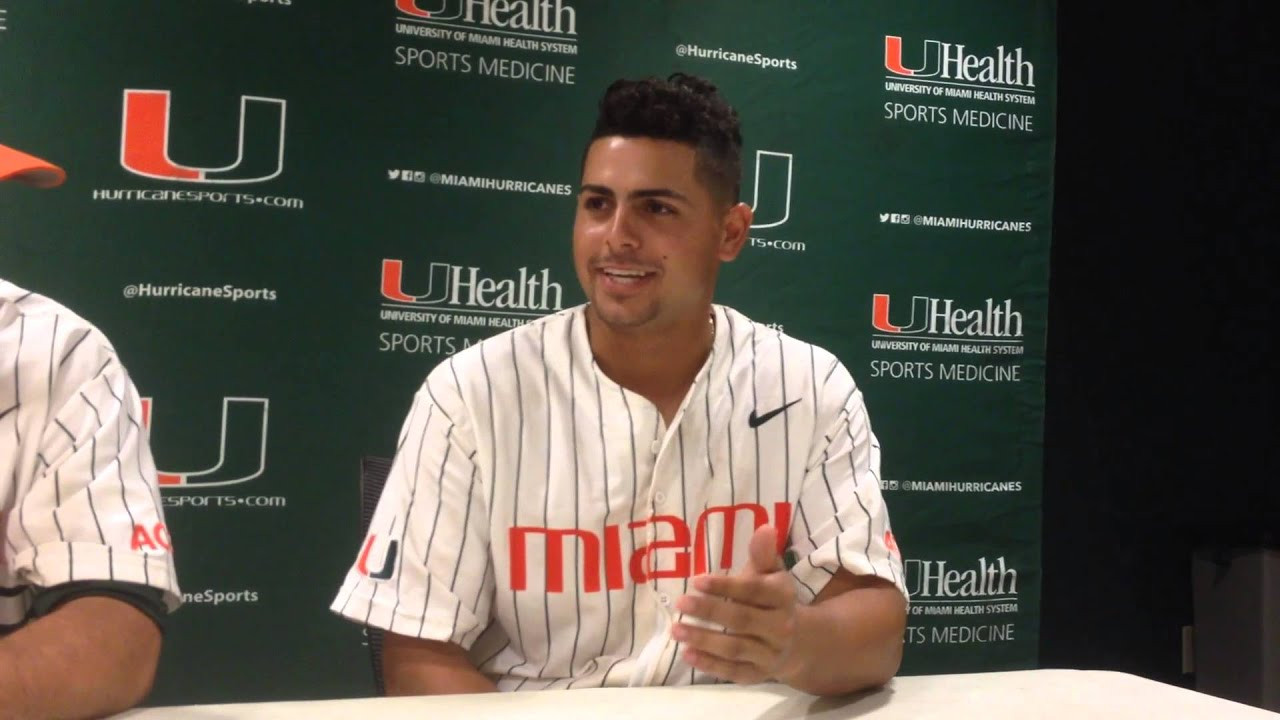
(646, 193)
(597, 189)
(660, 193)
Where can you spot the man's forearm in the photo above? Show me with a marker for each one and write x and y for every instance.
(91, 657)
(412, 666)
(848, 642)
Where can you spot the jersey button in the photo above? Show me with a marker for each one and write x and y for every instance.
(665, 599)
(659, 497)
(655, 446)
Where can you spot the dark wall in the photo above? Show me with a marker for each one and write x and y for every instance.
(1160, 424)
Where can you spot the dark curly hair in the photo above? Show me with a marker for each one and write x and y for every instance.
(683, 108)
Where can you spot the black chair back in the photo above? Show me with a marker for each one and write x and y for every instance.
(373, 475)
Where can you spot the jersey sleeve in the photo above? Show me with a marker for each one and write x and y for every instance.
(90, 508)
(843, 519)
(424, 568)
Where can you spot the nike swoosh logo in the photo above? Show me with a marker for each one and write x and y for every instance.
(756, 421)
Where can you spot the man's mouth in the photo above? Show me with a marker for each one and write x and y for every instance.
(626, 276)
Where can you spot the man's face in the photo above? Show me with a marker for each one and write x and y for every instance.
(648, 236)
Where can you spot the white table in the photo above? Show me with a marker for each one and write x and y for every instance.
(1024, 695)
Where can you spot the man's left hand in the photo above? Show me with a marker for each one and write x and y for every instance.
(757, 608)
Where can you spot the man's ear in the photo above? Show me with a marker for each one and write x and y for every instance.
(737, 226)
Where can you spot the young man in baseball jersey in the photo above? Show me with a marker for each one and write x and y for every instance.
(86, 573)
(605, 497)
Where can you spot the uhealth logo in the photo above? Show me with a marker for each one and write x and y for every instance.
(942, 317)
(145, 136)
(950, 61)
(465, 288)
(534, 16)
(930, 581)
(242, 446)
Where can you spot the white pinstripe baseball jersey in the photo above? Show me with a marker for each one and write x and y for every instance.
(546, 519)
(78, 494)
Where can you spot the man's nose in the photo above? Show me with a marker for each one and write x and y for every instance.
(621, 231)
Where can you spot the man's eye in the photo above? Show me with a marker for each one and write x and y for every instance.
(658, 208)
(593, 203)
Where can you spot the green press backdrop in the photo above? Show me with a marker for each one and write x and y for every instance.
(285, 212)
